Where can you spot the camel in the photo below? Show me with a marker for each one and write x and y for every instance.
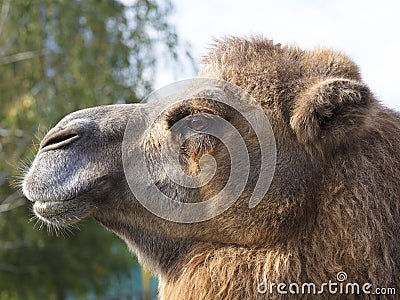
(330, 218)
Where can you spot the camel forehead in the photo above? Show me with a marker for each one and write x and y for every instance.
(203, 94)
(99, 116)
(104, 112)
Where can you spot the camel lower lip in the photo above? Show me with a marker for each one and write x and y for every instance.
(50, 205)
(53, 208)
(61, 212)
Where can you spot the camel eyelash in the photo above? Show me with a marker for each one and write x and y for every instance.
(183, 112)
(176, 116)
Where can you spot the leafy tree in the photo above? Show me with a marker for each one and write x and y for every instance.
(57, 57)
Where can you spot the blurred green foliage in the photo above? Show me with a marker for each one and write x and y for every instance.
(57, 57)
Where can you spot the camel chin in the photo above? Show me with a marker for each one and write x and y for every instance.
(64, 209)
(64, 206)
(62, 213)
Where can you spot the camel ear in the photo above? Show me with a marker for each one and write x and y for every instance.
(332, 115)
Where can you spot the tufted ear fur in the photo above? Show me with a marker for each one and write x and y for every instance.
(331, 115)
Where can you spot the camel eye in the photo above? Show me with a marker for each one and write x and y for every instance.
(199, 123)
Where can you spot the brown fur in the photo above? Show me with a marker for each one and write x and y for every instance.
(333, 204)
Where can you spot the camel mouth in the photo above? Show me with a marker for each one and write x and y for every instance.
(70, 210)
(62, 212)
(31, 191)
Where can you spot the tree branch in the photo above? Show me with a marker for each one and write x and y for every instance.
(13, 268)
(14, 245)
(21, 56)
(11, 202)
(4, 14)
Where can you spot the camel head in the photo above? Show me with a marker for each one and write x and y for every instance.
(180, 166)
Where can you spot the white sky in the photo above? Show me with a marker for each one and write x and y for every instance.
(368, 31)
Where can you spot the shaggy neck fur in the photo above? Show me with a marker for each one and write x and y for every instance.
(347, 237)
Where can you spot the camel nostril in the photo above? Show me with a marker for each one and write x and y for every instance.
(58, 139)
